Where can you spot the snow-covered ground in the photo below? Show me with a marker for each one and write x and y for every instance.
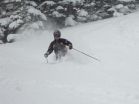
(27, 78)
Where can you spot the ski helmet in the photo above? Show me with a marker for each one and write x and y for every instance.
(57, 34)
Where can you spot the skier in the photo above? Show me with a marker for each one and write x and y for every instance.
(58, 45)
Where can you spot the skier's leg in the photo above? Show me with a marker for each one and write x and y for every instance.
(58, 55)
(64, 51)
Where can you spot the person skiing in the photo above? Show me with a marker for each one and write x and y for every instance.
(58, 45)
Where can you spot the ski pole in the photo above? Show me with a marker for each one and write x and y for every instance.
(86, 54)
(47, 60)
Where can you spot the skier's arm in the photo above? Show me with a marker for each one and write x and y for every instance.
(68, 43)
(50, 50)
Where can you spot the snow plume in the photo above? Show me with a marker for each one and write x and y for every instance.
(51, 25)
(36, 25)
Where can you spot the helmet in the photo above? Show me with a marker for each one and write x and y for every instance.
(57, 34)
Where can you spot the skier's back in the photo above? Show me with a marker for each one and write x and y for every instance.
(58, 45)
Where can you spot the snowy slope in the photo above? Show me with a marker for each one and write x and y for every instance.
(27, 78)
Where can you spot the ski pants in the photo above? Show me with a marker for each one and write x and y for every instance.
(60, 52)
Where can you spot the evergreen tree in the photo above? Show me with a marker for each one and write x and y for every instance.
(25, 13)
(33, 13)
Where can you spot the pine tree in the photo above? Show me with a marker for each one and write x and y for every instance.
(26, 13)
(33, 13)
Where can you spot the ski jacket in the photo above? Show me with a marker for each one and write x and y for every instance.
(58, 45)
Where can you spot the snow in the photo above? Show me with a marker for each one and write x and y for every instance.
(32, 3)
(7, 1)
(36, 25)
(59, 8)
(119, 6)
(27, 78)
(74, 1)
(51, 3)
(127, 0)
(57, 14)
(35, 12)
(5, 21)
(14, 17)
(117, 14)
(82, 12)
(70, 21)
(15, 24)
(93, 4)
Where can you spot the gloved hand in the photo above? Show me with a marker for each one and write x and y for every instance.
(46, 55)
(70, 47)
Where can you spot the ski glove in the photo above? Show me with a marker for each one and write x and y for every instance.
(70, 47)
(46, 55)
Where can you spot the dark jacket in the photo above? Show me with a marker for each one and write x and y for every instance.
(58, 45)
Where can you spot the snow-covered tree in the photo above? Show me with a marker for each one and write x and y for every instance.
(25, 14)
(34, 13)
(70, 21)
(82, 15)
